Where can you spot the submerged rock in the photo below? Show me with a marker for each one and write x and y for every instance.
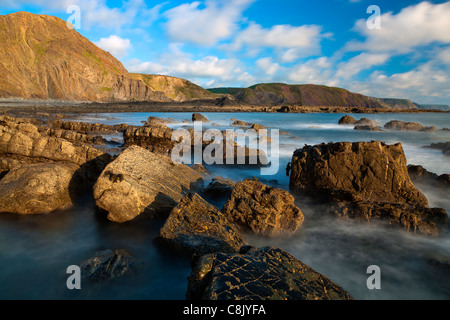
(367, 122)
(263, 210)
(140, 181)
(259, 274)
(420, 174)
(41, 188)
(109, 264)
(367, 128)
(195, 226)
(428, 221)
(347, 120)
(219, 188)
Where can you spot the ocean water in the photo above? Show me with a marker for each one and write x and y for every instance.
(36, 250)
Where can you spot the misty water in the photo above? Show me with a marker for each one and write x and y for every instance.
(36, 250)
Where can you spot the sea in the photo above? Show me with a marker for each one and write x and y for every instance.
(35, 251)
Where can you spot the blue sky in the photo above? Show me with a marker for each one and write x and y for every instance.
(243, 42)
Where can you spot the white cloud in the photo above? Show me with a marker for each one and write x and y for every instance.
(205, 26)
(115, 45)
(359, 63)
(180, 64)
(413, 26)
(268, 66)
(313, 71)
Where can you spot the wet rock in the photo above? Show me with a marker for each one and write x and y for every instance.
(420, 174)
(195, 226)
(41, 188)
(427, 221)
(219, 188)
(370, 171)
(407, 126)
(258, 274)
(156, 138)
(240, 123)
(199, 117)
(88, 128)
(109, 264)
(367, 122)
(263, 210)
(347, 120)
(140, 181)
(367, 128)
(444, 146)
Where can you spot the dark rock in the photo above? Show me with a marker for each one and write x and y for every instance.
(219, 188)
(444, 146)
(259, 274)
(367, 128)
(199, 117)
(109, 264)
(367, 122)
(263, 210)
(427, 221)
(347, 120)
(420, 174)
(195, 226)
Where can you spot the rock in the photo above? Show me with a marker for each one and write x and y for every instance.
(73, 136)
(199, 117)
(40, 188)
(367, 128)
(109, 264)
(155, 138)
(200, 169)
(23, 142)
(407, 126)
(258, 274)
(88, 128)
(369, 171)
(219, 188)
(347, 120)
(444, 146)
(367, 122)
(240, 123)
(195, 226)
(420, 174)
(257, 127)
(140, 181)
(263, 210)
(427, 221)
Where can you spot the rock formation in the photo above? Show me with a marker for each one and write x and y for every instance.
(368, 179)
(140, 181)
(263, 210)
(195, 226)
(407, 126)
(259, 274)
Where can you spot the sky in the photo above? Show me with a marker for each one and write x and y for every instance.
(392, 49)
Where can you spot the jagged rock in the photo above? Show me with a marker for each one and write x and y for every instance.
(155, 138)
(370, 171)
(258, 274)
(73, 136)
(263, 210)
(444, 146)
(109, 264)
(88, 128)
(140, 181)
(40, 188)
(428, 221)
(407, 126)
(219, 188)
(347, 120)
(195, 226)
(199, 117)
(199, 168)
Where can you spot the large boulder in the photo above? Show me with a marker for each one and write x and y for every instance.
(140, 181)
(219, 188)
(408, 126)
(259, 274)
(369, 171)
(199, 117)
(195, 226)
(263, 210)
(367, 122)
(40, 188)
(347, 120)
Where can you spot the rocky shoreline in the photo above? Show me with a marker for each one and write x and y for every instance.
(46, 165)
